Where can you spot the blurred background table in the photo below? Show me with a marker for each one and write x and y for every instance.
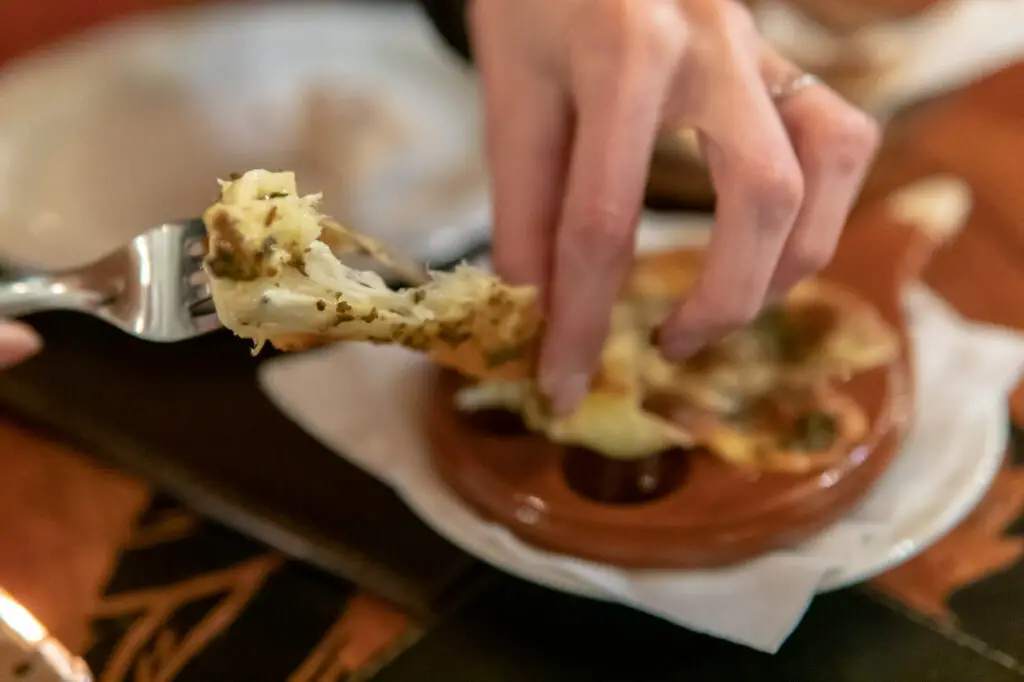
(69, 526)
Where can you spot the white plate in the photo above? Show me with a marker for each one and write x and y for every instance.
(987, 432)
(960, 491)
(946, 500)
(130, 126)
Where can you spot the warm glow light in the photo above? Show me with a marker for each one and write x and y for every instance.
(17, 617)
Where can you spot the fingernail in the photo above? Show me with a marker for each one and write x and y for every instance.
(18, 342)
(566, 393)
(775, 297)
(681, 347)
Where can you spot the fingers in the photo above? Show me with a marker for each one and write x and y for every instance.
(617, 119)
(760, 190)
(835, 144)
(18, 342)
(528, 124)
(570, 133)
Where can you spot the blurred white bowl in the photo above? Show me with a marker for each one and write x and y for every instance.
(130, 126)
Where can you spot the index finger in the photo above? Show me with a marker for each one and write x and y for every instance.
(528, 126)
(616, 126)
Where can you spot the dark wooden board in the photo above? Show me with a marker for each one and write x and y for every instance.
(191, 418)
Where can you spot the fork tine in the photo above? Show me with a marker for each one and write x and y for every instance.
(203, 308)
(193, 231)
(194, 246)
(206, 323)
(200, 293)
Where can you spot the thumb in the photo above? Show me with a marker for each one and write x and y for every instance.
(18, 342)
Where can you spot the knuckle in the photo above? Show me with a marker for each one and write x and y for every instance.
(846, 143)
(665, 42)
(606, 33)
(729, 20)
(601, 233)
(807, 257)
(625, 35)
(664, 33)
(782, 192)
(739, 20)
(776, 188)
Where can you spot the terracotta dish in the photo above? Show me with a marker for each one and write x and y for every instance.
(684, 509)
(758, 398)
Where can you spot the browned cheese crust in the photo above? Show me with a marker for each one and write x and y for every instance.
(278, 274)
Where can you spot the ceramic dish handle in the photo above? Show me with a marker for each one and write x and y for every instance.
(903, 230)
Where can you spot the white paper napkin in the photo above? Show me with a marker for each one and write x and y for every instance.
(365, 403)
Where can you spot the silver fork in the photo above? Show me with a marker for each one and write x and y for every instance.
(153, 287)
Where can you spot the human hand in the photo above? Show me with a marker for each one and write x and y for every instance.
(18, 342)
(576, 92)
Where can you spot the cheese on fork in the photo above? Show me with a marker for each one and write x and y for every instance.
(276, 275)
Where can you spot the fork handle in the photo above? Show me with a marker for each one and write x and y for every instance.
(39, 293)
